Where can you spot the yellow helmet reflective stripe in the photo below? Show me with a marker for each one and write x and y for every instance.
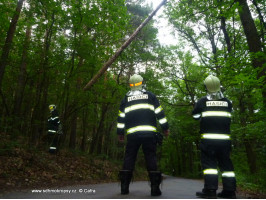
(135, 84)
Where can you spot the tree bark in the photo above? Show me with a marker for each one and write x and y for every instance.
(22, 75)
(226, 36)
(9, 39)
(37, 120)
(251, 156)
(73, 131)
(254, 43)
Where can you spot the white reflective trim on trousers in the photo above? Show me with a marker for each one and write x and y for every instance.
(159, 109)
(141, 128)
(53, 148)
(215, 136)
(120, 125)
(228, 174)
(52, 131)
(196, 116)
(216, 114)
(210, 171)
(163, 121)
(139, 106)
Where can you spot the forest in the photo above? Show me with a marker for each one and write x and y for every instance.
(50, 49)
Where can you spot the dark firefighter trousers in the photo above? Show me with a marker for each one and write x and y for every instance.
(148, 143)
(217, 153)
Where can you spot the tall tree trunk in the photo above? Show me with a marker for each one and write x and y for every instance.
(84, 131)
(9, 39)
(254, 43)
(100, 131)
(22, 75)
(226, 35)
(38, 120)
(262, 22)
(73, 131)
(251, 156)
(17, 126)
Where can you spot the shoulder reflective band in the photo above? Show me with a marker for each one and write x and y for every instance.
(196, 116)
(215, 136)
(159, 109)
(120, 125)
(53, 118)
(53, 148)
(52, 131)
(210, 171)
(139, 106)
(136, 84)
(162, 121)
(216, 114)
(141, 128)
(228, 174)
(121, 114)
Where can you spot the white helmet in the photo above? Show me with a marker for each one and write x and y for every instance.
(212, 84)
(52, 107)
(135, 82)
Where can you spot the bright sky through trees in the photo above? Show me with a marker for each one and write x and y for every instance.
(165, 31)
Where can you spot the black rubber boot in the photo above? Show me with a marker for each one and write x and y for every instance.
(207, 194)
(227, 194)
(125, 178)
(156, 179)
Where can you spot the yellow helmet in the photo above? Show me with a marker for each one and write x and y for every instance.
(135, 82)
(212, 84)
(52, 107)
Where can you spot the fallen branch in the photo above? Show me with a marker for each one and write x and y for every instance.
(120, 50)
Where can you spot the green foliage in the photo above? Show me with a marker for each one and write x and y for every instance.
(69, 42)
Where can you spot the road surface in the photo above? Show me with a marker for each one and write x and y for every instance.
(172, 188)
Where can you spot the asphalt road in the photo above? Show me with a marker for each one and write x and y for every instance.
(172, 188)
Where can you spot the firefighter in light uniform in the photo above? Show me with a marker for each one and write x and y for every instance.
(54, 129)
(214, 113)
(137, 117)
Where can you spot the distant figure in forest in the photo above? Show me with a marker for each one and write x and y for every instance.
(137, 117)
(54, 129)
(214, 113)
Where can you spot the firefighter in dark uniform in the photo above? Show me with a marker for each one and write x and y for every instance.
(214, 113)
(54, 129)
(137, 118)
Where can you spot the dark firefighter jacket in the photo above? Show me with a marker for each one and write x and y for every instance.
(53, 122)
(138, 114)
(215, 118)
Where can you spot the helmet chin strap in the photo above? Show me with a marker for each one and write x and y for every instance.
(215, 95)
(136, 92)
